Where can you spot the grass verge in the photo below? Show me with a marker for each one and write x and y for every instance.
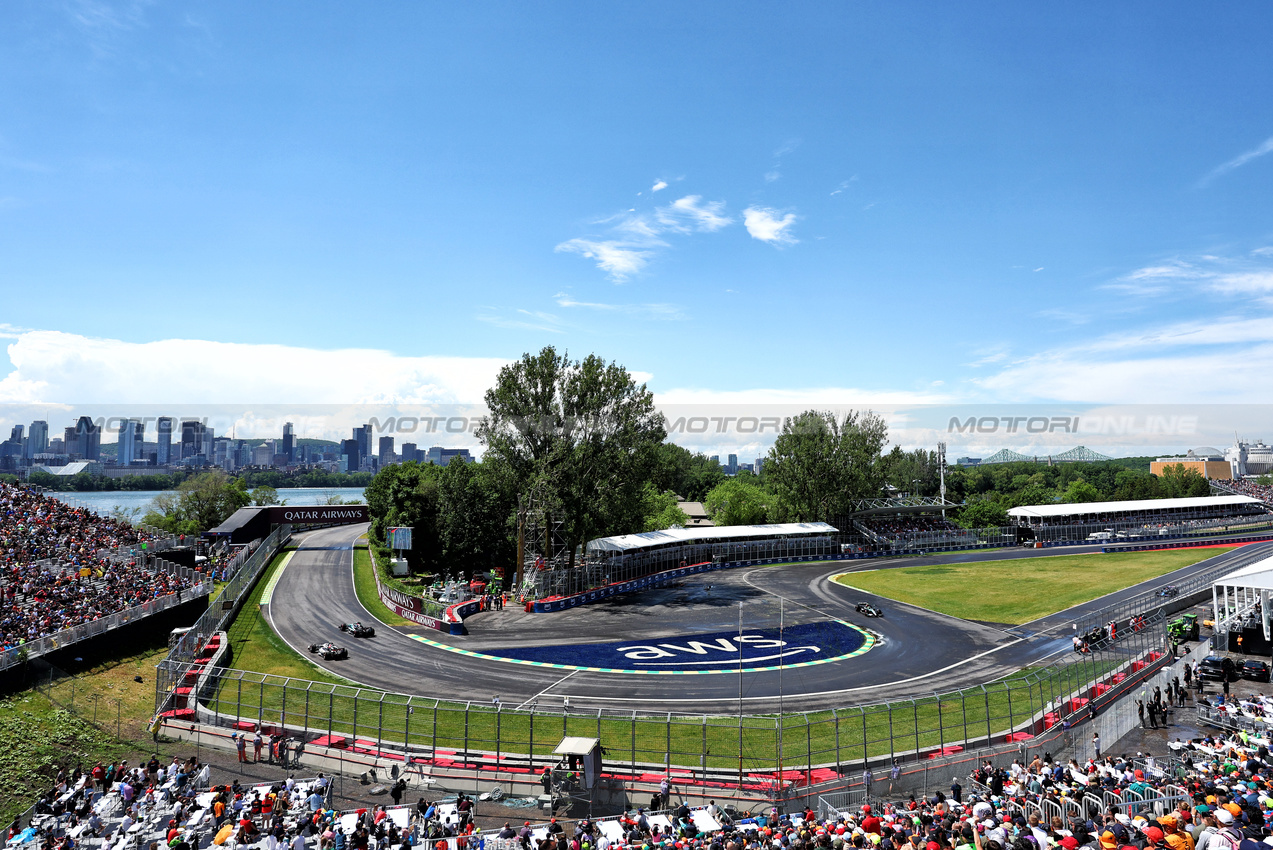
(365, 587)
(106, 720)
(256, 647)
(1028, 588)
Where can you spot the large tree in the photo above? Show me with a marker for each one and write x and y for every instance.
(475, 512)
(202, 502)
(577, 436)
(820, 463)
(407, 494)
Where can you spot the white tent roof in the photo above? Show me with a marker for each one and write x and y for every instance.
(575, 746)
(1080, 509)
(1258, 575)
(719, 533)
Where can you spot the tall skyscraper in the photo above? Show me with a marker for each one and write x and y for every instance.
(37, 438)
(349, 449)
(289, 442)
(386, 450)
(192, 437)
(163, 448)
(131, 436)
(363, 436)
(88, 438)
(409, 452)
(732, 468)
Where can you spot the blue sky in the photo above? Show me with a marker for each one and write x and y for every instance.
(819, 202)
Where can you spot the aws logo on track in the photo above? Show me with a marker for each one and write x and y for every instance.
(745, 650)
(718, 652)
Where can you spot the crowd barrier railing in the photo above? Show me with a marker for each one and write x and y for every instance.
(100, 626)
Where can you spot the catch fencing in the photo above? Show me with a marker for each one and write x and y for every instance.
(807, 748)
(227, 604)
(1190, 591)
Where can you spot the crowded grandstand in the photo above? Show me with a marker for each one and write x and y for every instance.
(62, 567)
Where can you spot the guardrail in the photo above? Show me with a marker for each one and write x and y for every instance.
(1188, 589)
(100, 626)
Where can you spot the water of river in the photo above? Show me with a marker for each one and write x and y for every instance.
(103, 503)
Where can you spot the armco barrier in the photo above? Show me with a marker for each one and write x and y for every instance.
(1211, 541)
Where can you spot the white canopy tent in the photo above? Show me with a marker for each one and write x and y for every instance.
(1237, 594)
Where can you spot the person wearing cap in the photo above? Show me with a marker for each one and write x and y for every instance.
(1204, 825)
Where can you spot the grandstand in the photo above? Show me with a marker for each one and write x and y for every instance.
(67, 574)
(908, 523)
(1138, 518)
(614, 560)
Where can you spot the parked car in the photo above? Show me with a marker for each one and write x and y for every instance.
(1217, 667)
(1255, 669)
(329, 651)
(358, 629)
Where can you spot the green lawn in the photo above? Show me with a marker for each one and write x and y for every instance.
(255, 646)
(365, 587)
(1018, 591)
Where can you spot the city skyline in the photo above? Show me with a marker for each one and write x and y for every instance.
(906, 204)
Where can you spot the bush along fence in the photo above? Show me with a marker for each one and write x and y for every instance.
(782, 756)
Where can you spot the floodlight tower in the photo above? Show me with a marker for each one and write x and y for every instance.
(941, 473)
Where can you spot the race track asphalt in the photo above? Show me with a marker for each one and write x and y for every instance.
(917, 652)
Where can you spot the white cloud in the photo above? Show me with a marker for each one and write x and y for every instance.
(651, 311)
(616, 258)
(641, 234)
(659, 185)
(1240, 160)
(691, 213)
(529, 320)
(56, 367)
(771, 176)
(1183, 377)
(802, 399)
(769, 225)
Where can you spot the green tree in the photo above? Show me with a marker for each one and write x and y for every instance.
(265, 495)
(580, 434)
(1130, 484)
(737, 502)
(1179, 481)
(661, 510)
(406, 494)
(475, 518)
(983, 514)
(678, 470)
(820, 464)
(202, 502)
(1081, 491)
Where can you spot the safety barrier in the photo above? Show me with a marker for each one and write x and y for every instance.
(1189, 590)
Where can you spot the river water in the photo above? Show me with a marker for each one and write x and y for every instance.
(104, 502)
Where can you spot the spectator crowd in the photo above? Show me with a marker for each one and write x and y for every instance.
(58, 567)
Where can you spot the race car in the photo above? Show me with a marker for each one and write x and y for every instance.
(329, 651)
(358, 629)
(1168, 590)
(868, 610)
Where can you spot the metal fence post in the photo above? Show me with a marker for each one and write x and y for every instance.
(915, 717)
(667, 757)
(941, 725)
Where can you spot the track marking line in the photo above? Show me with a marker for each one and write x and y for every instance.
(535, 698)
(268, 593)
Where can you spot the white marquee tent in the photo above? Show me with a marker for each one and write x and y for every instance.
(1237, 594)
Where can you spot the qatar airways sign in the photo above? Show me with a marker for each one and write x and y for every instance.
(319, 514)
